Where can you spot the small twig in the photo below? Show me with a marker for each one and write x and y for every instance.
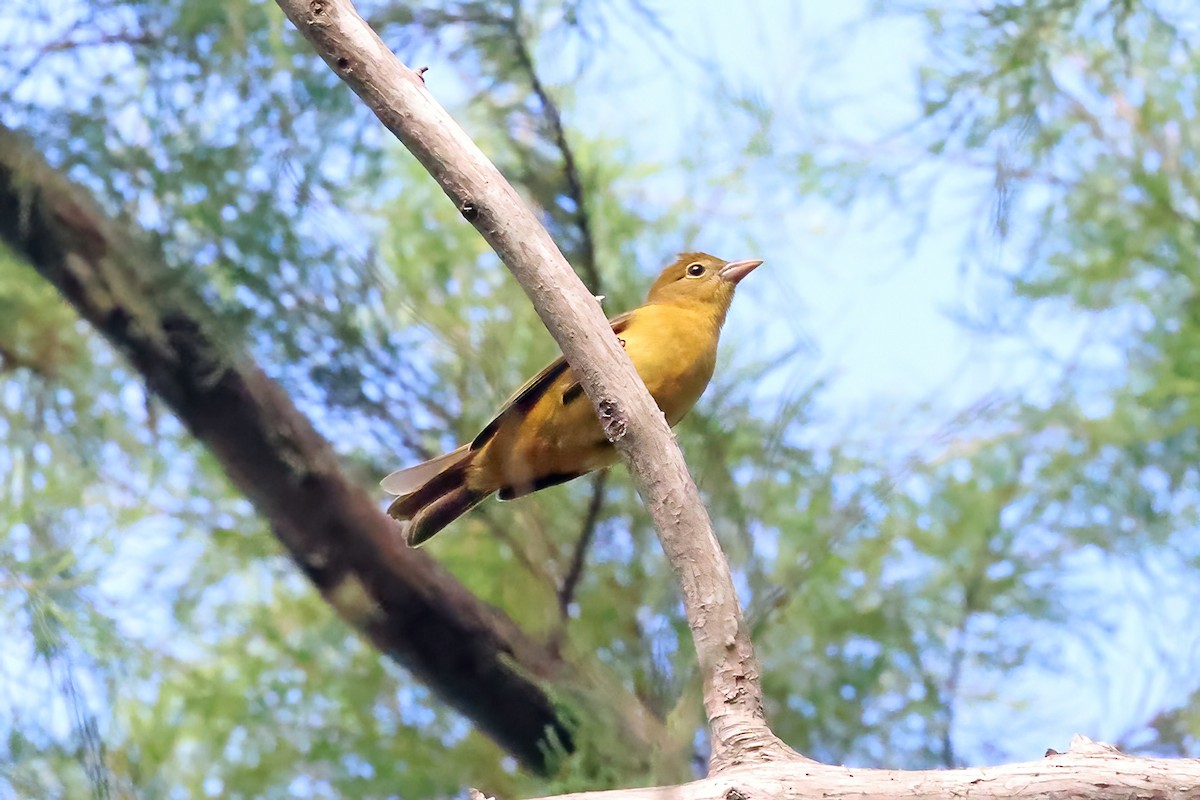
(519, 552)
(571, 173)
(103, 40)
(12, 360)
(957, 659)
(566, 592)
(65, 43)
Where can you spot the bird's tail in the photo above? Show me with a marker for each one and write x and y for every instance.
(432, 494)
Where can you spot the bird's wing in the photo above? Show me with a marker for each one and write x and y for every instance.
(535, 388)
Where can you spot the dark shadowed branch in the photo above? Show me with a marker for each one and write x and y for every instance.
(401, 599)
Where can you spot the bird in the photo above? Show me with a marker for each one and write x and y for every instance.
(548, 433)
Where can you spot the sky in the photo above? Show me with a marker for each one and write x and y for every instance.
(877, 310)
(873, 308)
(873, 304)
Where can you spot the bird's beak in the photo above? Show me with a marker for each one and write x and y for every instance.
(734, 271)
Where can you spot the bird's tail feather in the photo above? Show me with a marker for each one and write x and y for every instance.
(441, 512)
(410, 479)
(442, 498)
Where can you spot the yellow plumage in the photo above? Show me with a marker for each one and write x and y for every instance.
(547, 433)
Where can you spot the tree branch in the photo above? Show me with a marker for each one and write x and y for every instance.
(631, 420)
(570, 581)
(400, 599)
(1087, 771)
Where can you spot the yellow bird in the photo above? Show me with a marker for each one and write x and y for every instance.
(548, 433)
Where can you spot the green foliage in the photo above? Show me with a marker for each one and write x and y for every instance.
(162, 645)
(1086, 112)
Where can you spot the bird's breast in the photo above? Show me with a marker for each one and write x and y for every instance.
(674, 351)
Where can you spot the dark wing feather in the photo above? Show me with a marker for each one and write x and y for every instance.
(535, 388)
(575, 390)
(573, 393)
(525, 398)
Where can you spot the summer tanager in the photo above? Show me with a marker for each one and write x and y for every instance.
(548, 433)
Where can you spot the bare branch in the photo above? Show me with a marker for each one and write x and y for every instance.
(631, 420)
(1087, 771)
(571, 173)
(400, 599)
(67, 42)
(570, 582)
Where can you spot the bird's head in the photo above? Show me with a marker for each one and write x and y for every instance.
(701, 279)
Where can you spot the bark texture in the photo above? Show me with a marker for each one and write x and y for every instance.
(472, 655)
(1087, 771)
(401, 100)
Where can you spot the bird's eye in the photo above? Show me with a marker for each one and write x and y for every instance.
(695, 270)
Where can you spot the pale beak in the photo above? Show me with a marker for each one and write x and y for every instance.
(734, 271)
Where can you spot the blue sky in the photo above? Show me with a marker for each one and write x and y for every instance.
(875, 307)
(872, 306)
(873, 302)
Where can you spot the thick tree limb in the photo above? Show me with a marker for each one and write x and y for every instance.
(398, 96)
(400, 598)
(1087, 771)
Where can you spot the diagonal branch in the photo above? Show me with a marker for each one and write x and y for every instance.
(398, 96)
(400, 599)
